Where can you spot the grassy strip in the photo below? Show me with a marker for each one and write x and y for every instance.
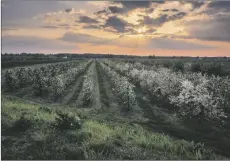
(36, 138)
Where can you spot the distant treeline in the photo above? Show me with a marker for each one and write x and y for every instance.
(15, 63)
(22, 59)
(40, 56)
(36, 56)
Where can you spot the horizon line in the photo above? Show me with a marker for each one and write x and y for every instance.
(154, 55)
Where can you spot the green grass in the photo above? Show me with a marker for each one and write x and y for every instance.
(97, 139)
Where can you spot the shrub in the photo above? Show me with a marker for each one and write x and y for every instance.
(67, 121)
(195, 67)
(197, 101)
(10, 80)
(56, 86)
(88, 87)
(22, 124)
(178, 66)
(45, 109)
(40, 83)
(187, 67)
(214, 68)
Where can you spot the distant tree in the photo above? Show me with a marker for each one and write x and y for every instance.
(151, 56)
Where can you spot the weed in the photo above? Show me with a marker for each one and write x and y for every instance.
(22, 124)
(67, 121)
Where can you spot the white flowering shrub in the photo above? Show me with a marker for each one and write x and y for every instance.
(197, 101)
(10, 80)
(194, 94)
(16, 78)
(87, 90)
(40, 83)
(24, 77)
(123, 88)
(88, 86)
(56, 85)
(187, 67)
(220, 89)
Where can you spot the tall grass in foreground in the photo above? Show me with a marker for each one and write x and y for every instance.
(94, 140)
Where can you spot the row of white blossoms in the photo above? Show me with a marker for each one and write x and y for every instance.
(194, 94)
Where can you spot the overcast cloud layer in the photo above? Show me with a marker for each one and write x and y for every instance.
(194, 28)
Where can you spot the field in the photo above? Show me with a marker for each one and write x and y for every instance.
(116, 109)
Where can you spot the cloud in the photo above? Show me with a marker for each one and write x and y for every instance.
(170, 19)
(135, 4)
(93, 40)
(117, 10)
(91, 27)
(101, 12)
(86, 19)
(100, 4)
(220, 5)
(214, 29)
(137, 13)
(117, 24)
(58, 26)
(20, 9)
(82, 38)
(123, 7)
(124, 41)
(177, 16)
(154, 21)
(161, 19)
(168, 10)
(34, 44)
(8, 29)
(49, 27)
(162, 43)
(196, 4)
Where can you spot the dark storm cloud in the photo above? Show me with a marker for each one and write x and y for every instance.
(116, 23)
(86, 19)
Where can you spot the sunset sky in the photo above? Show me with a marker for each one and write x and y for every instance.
(188, 28)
